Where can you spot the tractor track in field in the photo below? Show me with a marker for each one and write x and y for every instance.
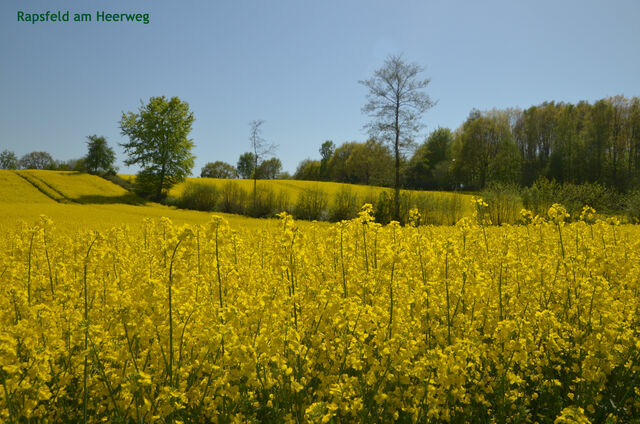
(45, 188)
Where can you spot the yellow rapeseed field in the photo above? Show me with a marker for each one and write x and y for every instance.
(345, 322)
(293, 188)
(82, 201)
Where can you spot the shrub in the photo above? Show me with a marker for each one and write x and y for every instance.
(504, 203)
(632, 206)
(268, 203)
(199, 196)
(345, 205)
(383, 208)
(543, 193)
(311, 204)
(233, 198)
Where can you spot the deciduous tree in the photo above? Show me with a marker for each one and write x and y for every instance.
(100, 157)
(245, 165)
(37, 160)
(218, 169)
(8, 160)
(269, 169)
(260, 148)
(396, 102)
(159, 143)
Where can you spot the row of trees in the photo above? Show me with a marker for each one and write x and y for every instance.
(99, 159)
(581, 143)
(593, 143)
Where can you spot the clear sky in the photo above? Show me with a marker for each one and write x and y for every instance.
(296, 64)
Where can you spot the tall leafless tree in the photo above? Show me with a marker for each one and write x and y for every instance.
(260, 148)
(396, 103)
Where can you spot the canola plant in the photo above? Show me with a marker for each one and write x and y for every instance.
(348, 322)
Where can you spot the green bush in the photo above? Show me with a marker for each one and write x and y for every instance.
(199, 196)
(268, 203)
(543, 193)
(311, 204)
(504, 203)
(233, 199)
(632, 206)
(345, 205)
(383, 208)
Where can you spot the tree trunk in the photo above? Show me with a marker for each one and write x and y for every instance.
(396, 199)
(255, 185)
(255, 176)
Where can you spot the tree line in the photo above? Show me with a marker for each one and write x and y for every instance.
(100, 159)
(568, 143)
(581, 143)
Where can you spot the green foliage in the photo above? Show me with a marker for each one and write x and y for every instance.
(383, 208)
(543, 193)
(344, 206)
(218, 169)
(596, 143)
(308, 170)
(311, 204)
(198, 196)
(159, 143)
(246, 165)
(269, 169)
(37, 160)
(338, 169)
(268, 203)
(428, 168)
(77, 165)
(632, 206)
(326, 152)
(370, 163)
(233, 198)
(440, 210)
(481, 148)
(100, 157)
(8, 160)
(504, 202)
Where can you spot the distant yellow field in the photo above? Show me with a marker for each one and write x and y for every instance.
(15, 189)
(77, 200)
(78, 187)
(85, 201)
(294, 187)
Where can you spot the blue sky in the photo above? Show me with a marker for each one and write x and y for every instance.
(296, 64)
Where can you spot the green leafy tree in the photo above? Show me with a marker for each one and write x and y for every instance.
(483, 145)
(71, 165)
(37, 160)
(326, 151)
(159, 143)
(308, 170)
(434, 153)
(8, 160)
(269, 169)
(245, 165)
(396, 102)
(338, 169)
(218, 169)
(370, 163)
(100, 157)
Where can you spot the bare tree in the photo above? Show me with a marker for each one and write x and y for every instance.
(260, 148)
(396, 103)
